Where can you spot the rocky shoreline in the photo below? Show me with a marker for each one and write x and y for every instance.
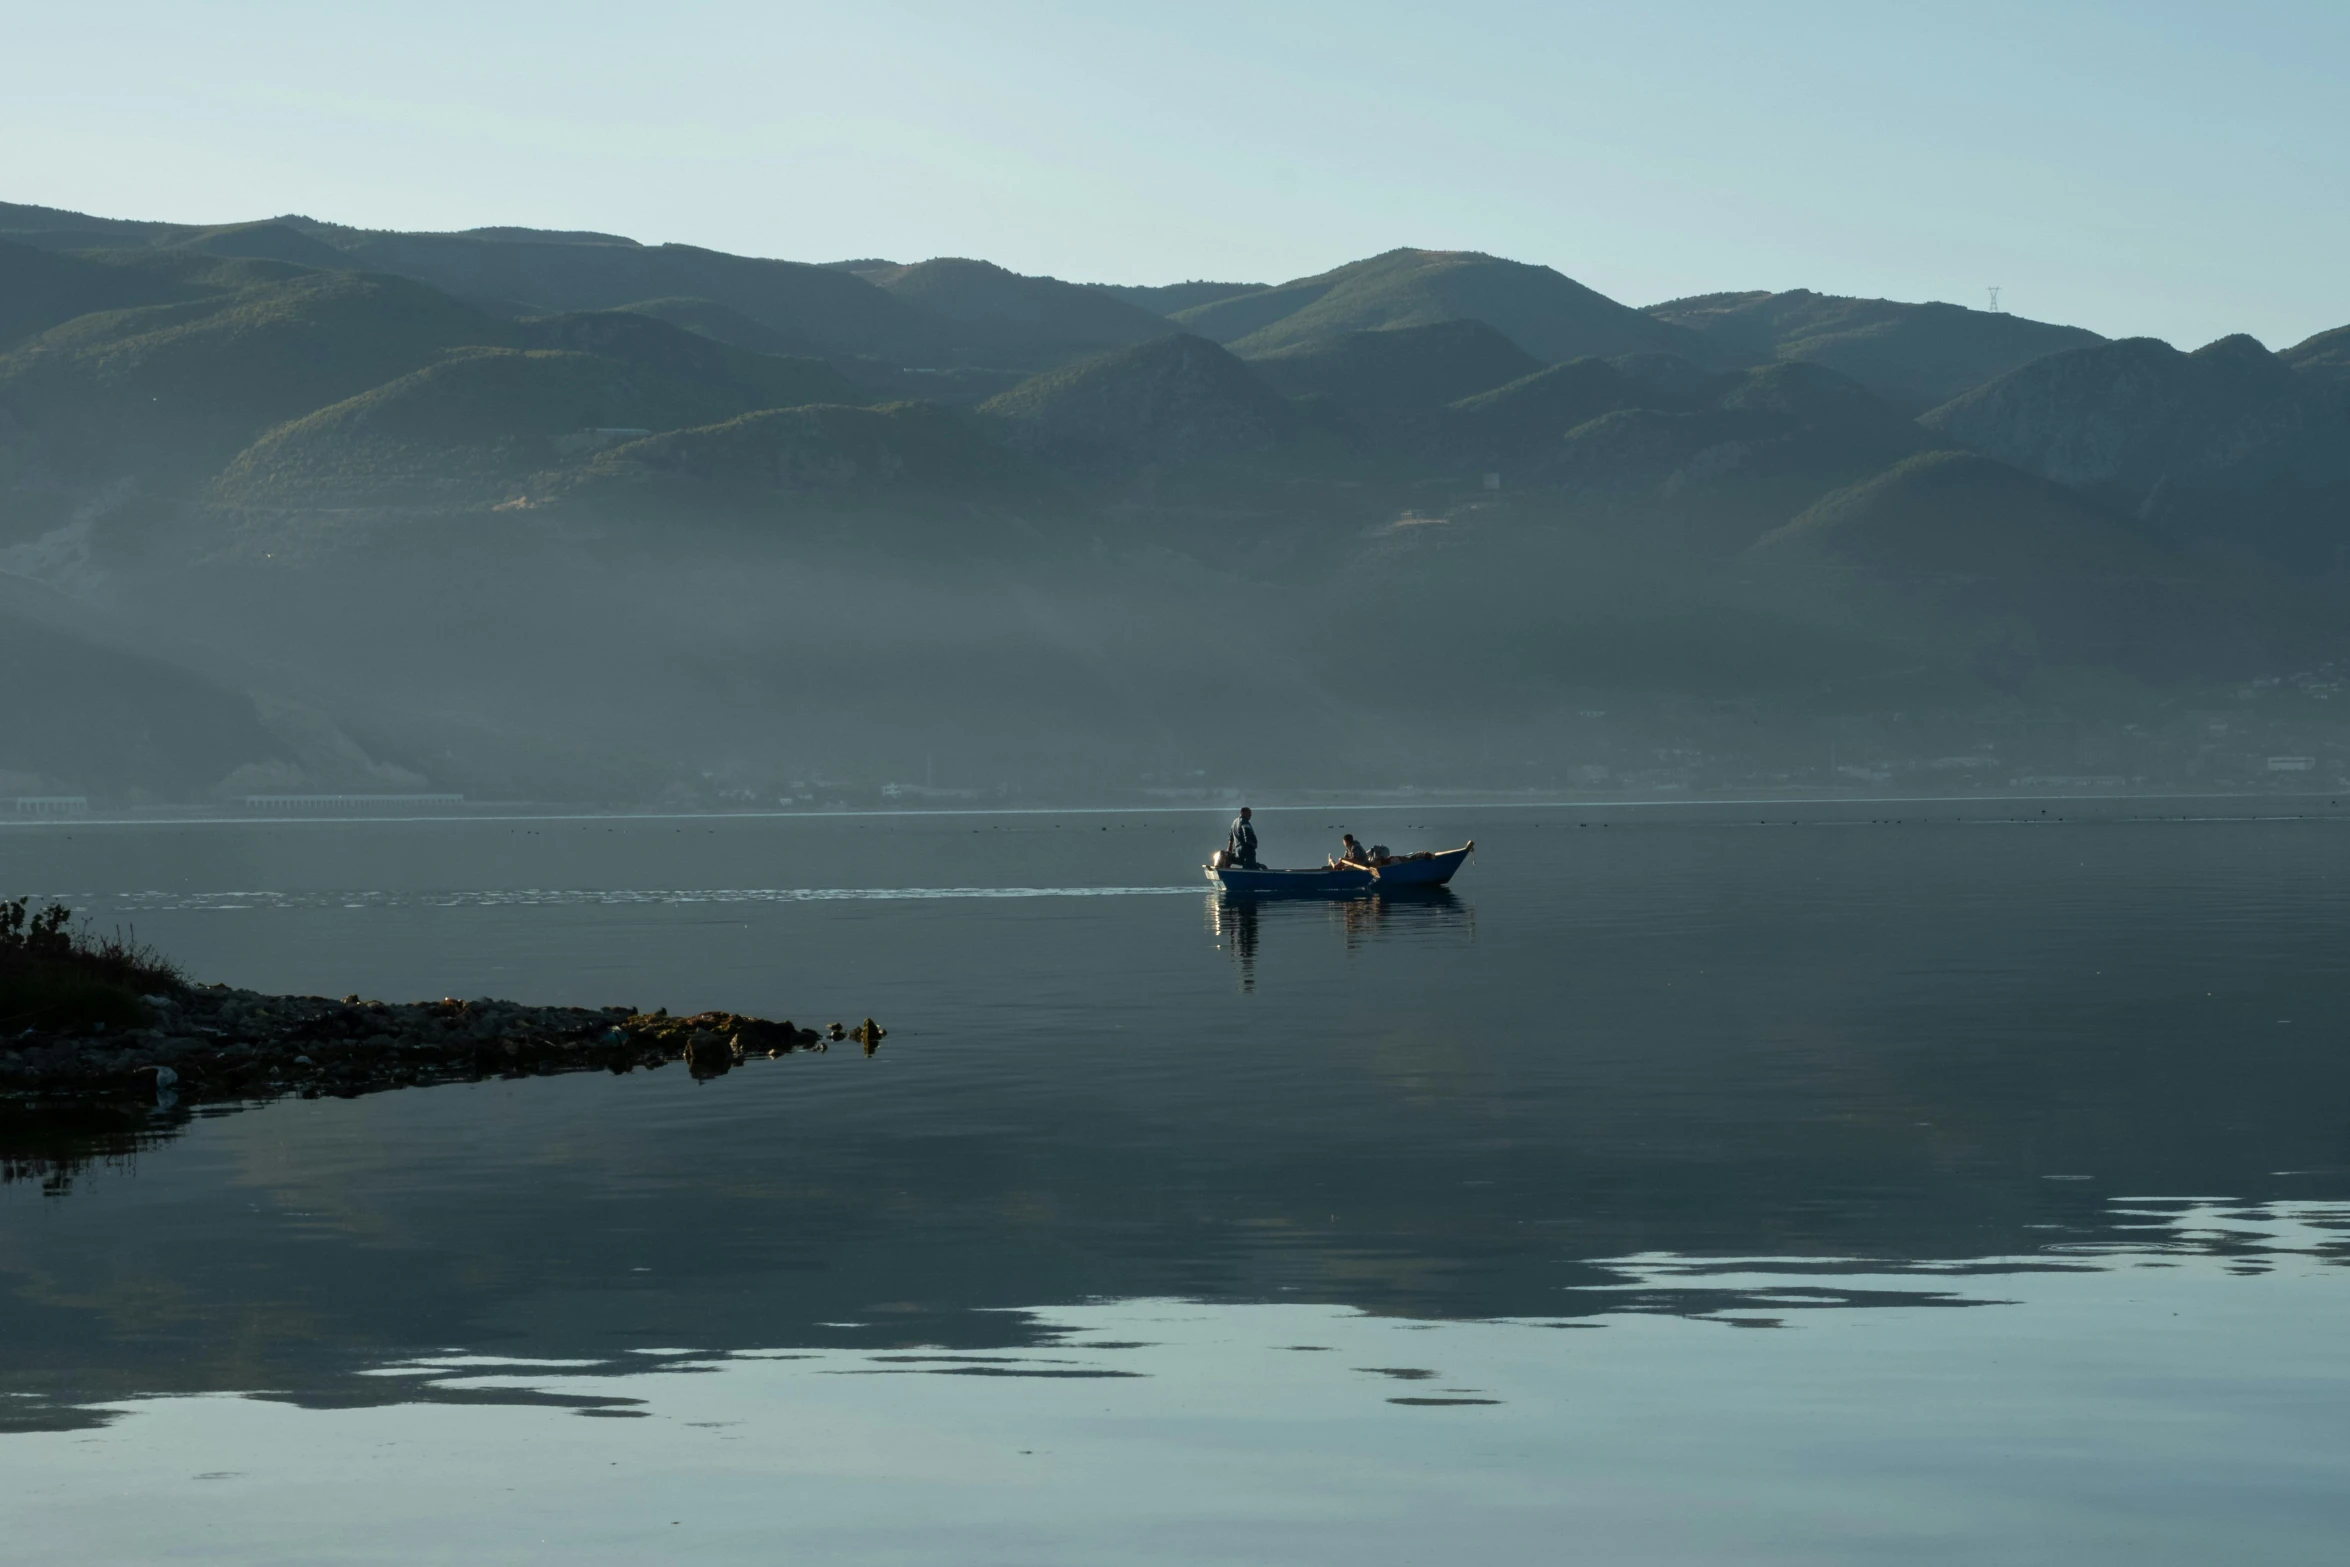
(214, 1044)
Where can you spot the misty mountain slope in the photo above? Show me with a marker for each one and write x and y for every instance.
(172, 391)
(719, 323)
(1916, 356)
(1562, 634)
(267, 241)
(1818, 398)
(1180, 399)
(344, 236)
(813, 309)
(1166, 299)
(1036, 321)
(1946, 513)
(428, 540)
(836, 638)
(2227, 450)
(78, 716)
(40, 289)
(463, 431)
(54, 228)
(1511, 423)
(767, 463)
(721, 372)
(2325, 356)
(1718, 459)
(2034, 574)
(1549, 315)
(1397, 374)
(1235, 316)
(874, 380)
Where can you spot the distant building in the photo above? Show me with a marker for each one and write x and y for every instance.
(52, 805)
(2291, 764)
(321, 804)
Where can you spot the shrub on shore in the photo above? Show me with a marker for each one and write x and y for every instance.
(55, 977)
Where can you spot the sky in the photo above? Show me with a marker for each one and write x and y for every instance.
(2144, 168)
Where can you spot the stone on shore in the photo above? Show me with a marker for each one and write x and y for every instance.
(212, 1043)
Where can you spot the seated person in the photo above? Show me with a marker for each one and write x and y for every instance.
(1351, 852)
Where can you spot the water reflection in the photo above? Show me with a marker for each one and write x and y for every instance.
(1237, 922)
(1969, 1421)
(1101, 1174)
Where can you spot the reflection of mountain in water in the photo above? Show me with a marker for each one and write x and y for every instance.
(1848, 1050)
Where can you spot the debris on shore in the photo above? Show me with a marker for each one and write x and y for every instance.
(88, 1020)
(212, 1043)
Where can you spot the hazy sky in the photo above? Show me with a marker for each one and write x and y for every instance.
(2179, 170)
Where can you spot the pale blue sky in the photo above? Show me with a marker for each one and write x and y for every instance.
(2178, 170)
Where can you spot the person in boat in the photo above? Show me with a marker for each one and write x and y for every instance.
(1351, 852)
(1241, 842)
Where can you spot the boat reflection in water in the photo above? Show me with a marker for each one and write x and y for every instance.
(1233, 919)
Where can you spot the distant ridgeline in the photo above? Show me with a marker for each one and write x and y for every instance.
(291, 509)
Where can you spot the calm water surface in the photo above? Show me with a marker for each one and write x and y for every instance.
(1698, 1185)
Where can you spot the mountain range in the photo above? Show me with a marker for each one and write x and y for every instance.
(437, 506)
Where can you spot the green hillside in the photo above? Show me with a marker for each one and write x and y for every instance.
(1916, 356)
(578, 518)
(1719, 471)
(1234, 316)
(812, 309)
(1550, 316)
(2227, 450)
(1817, 398)
(720, 371)
(40, 289)
(465, 431)
(169, 390)
(1499, 428)
(53, 228)
(1166, 299)
(707, 318)
(1721, 458)
(2031, 574)
(1180, 399)
(1038, 321)
(2326, 356)
(780, 452)
(264, 242)
(1398, 373)
(1946, 513)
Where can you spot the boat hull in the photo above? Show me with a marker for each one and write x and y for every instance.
(1310, 883)
(1434, 871)
(1431, 870)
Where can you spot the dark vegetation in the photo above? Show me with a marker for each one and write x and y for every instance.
(1399, 376)
(1549, 316)
(54, 977)
(288, 505)
(103, 1035)
(1914, 356)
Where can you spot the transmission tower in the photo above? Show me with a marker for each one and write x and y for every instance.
(1994, 292)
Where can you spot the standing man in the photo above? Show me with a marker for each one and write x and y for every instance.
(1241, 842)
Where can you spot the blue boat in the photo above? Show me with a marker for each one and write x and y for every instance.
(1392, 875)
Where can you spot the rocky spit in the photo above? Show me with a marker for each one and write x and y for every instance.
(212, 1044)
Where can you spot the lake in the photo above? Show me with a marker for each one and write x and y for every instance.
(1765, 1183)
